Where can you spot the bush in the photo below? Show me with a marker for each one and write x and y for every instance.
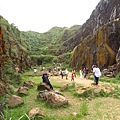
(118, 76)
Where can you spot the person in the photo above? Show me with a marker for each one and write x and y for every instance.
(46, 79)
(74, 72)
(35, 70)
(93, 75)
(85, 71)
(96, 73)
(66, 73)
(73, 75)
(62, 73)
(80, 74)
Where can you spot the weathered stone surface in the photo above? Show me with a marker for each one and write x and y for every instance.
(36, 112)
(3, 89)
(52, 98)
(12, 53)
(23, 90)
(100, 37)
(97, 90)
(111, 71)
(43, 86)
(64, 87)
(28, 84)
(118, 60)
(14, 100)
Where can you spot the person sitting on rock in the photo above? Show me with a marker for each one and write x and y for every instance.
(46, 79)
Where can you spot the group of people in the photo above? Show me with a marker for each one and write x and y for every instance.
(96, 73)
(65, 73)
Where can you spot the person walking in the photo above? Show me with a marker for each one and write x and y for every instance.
(73, 75)
(93, 75)
(80, 74)
(62, 73)
(96, 73)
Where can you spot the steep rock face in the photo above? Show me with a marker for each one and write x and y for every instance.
(118, 60)
(12, 53)
(101, 37)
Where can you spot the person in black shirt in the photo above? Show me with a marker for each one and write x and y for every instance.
(45, 78)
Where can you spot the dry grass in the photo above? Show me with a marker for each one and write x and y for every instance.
(104, 109)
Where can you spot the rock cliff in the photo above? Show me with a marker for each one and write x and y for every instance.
(100, 36)
(13, 57)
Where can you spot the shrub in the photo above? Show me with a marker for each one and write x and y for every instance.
(118, 76)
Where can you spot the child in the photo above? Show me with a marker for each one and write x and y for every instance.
(73, 75)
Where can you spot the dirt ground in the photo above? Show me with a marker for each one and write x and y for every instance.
(77, 79)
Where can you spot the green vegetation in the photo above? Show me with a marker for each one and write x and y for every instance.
(76, 106)
(49, 44)
(115, 80)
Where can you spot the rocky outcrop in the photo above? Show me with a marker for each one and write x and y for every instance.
(13, 56)
(118, 60)
(101, 37)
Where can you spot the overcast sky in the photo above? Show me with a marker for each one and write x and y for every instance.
(42, 15)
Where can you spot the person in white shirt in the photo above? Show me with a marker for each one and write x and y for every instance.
(80, 74)
(35, 70)
(96, 73)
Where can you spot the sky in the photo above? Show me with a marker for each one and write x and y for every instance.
(41, 15)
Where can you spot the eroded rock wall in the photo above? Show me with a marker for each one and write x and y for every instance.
(101, 37)
(13, 57)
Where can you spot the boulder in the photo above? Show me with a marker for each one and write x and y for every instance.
(52, 98)
(23, 90)
(43, 86)
(36, 112)
(28, 84)
(64, 87)
(14, 100)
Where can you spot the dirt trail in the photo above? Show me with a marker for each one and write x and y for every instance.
(77, 79)
(86, 82)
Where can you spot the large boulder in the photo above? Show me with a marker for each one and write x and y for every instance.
(36, 112)
(28, 84)
(14, 101)
(43, 86)
(52, 98)
(23, 90)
